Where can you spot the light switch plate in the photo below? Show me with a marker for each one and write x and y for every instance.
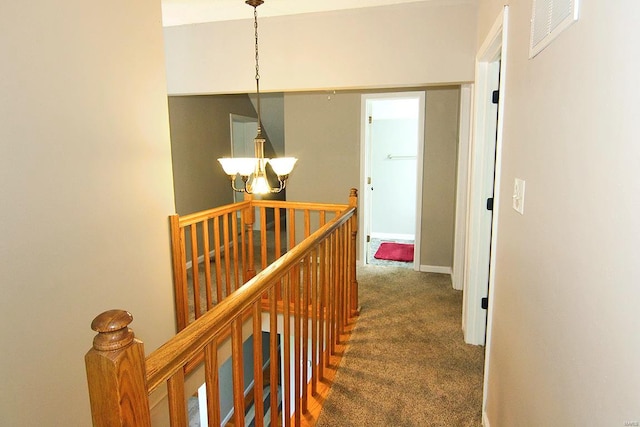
(518, 195)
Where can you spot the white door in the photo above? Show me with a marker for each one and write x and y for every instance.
(393, 147)
(484, 183)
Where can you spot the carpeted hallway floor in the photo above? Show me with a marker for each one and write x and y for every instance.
(406, 363)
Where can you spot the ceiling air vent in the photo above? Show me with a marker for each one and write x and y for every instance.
(549, 18)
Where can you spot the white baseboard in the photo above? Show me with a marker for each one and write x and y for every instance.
(393, 236)
(485, 419)
(442, 269)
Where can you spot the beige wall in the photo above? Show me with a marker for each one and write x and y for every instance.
(565, 339)
(323, 131)
(439, 183)
(413, 44)
(86, 191)
(324, 134)
(200, 134)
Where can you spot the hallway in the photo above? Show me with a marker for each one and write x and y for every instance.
(406, 363)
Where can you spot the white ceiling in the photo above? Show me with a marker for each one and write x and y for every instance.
(182, 12)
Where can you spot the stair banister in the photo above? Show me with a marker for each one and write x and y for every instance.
(116, 373)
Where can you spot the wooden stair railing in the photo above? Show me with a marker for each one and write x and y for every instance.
(214, 251)
(318, 302)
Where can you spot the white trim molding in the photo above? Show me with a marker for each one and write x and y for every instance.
(442, 269)
(464, 142)
(496, 43)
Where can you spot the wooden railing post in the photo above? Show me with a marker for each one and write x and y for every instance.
(355, 304)
(116, 373)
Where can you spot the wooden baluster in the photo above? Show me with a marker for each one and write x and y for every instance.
(346, 241)
(278, 230)
(195, 270)
(273, 352)
(249, 219)
(116, 373)
(286, 337)
(243, 240)
(314, 321)
(278, 245)
(218, 259)
(179, 271)
(213, 383)
(307, 223)
(323, 339)
(206, 251)
(296, 348)
(291, 228)
(339, 285)
(227, 253)
(332, 295)
(342, 280)
(347, 272)
(355, 304)
(304, 302)
(263, 238)
(236, 262)
(258, 386)
(328, 298)
(177, 402)
(237, 371)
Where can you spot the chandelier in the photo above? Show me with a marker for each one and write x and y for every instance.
(252, 170)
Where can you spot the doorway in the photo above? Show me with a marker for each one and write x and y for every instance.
(393, 145)
(485, 178)
(484, 183)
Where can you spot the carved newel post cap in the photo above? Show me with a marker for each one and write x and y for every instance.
(113, 331)
(353, 192)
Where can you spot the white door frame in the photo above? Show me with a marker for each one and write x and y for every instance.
(365, 217)
(482, 226)
(463, 166)
(502, 26)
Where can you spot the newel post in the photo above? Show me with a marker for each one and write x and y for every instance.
(355, 304)
(116, 373)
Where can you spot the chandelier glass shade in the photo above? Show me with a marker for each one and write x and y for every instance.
(253, 170)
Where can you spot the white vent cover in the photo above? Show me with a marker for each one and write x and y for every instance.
(549, 18)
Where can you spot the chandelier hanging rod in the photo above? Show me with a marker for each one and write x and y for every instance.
(252, 170)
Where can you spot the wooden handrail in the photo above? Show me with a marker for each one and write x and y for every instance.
(300, 205)
(212, 213)
(175, 353)
(313, 285)
(213, 255)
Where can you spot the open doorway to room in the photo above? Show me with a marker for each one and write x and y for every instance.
(392, 150)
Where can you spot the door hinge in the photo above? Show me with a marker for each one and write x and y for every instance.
(369, 180)
(368, 238)
(370, 119)
(490, 204)
(495, 96)
(484, 303)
